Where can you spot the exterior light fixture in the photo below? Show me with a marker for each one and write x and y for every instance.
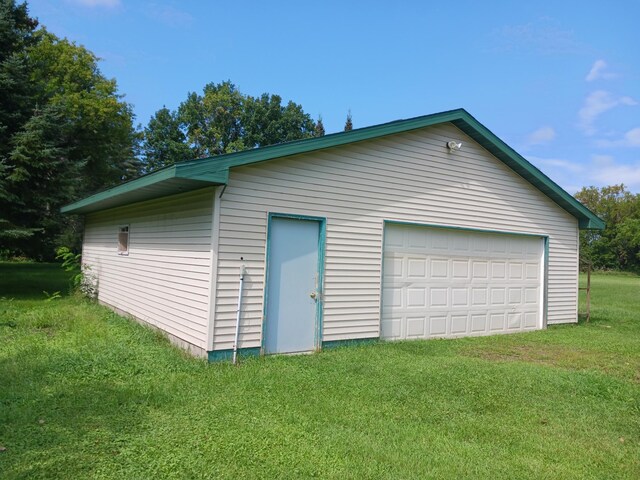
(453, 145)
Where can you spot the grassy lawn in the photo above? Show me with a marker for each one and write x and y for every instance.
(86, 394)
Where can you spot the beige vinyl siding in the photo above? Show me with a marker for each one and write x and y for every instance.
(408, 177)
(164, 280)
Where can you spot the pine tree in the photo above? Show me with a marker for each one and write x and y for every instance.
(16, 90)
(64, 132)
(319, 130)
(348, 126)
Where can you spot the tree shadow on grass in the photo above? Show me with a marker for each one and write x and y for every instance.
(61, 414)
(29, 281)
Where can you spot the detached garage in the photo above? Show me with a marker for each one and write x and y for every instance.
(394, 231)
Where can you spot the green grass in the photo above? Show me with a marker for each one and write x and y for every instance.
(87, 394)
(29, 280)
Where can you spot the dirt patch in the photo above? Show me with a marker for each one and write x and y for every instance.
(547, 354)
(561, 356)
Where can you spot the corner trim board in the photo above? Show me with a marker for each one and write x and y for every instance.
(213, 291)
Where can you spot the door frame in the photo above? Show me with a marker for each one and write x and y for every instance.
(322, 224)
(544, 307)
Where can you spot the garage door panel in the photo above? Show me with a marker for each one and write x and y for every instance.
(416, 268)
(498, 322)
(530, 319)
(395, 238)
(393, 266)
(449, 283)
(460, 297)
(415, 326)
(480, 270)
(459, 324)
(439, 268)
(498, 296)
(479, 297)
(460, 269)
(438, 297)
(532, 271)
(415, 239)
(437, 325)
(479, 323)
(498, 270)
(391, 327)
(531, 295)
(416, 297)
(515, 321)
(392, 297)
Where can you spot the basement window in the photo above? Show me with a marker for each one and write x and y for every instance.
(123, 240)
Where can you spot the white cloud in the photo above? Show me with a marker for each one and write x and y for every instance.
(598, 71)
(604, 170)
(630, 139)
(544, 35)
(97, 3)
(596, 170)
(169, 15)
(557, 163)
(602, 159)
(596, 104)
(541, 136)
(615, 174)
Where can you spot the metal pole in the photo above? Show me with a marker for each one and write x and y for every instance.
(588, 292)
(237, 338)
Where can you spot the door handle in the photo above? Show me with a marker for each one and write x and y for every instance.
(313, 295)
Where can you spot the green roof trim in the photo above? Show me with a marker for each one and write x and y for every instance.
(215, 170)
(166, 181)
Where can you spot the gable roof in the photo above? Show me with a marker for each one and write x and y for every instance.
(193, 174)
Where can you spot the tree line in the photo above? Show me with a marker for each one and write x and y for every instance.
(222, 120)
(617, 247)
(66, 132)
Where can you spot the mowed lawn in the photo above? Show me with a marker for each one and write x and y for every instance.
(87, 394)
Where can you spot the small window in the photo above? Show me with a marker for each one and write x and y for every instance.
(123, 240)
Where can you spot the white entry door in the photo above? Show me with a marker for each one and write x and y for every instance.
(292, 305)
(440, 282)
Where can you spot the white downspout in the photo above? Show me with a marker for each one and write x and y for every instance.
(237, 338)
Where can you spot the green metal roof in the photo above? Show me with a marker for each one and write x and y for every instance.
(195, 174)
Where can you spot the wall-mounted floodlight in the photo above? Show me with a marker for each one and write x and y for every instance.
(454, 146)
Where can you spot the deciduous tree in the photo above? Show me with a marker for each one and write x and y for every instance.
(164, 141)
(222, 120)
(64, 132)
(618, 245)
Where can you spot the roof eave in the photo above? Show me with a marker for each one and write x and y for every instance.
(167, 181)
(215, 170)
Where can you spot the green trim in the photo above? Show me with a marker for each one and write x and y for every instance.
(167, 181)
(545, 298)
(466, 229)
(353, 342)
(215, 170)
(227, 355)
(322, 221)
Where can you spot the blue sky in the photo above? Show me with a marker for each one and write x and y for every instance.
(559, 81)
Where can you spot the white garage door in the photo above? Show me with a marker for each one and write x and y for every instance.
(441, 282)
